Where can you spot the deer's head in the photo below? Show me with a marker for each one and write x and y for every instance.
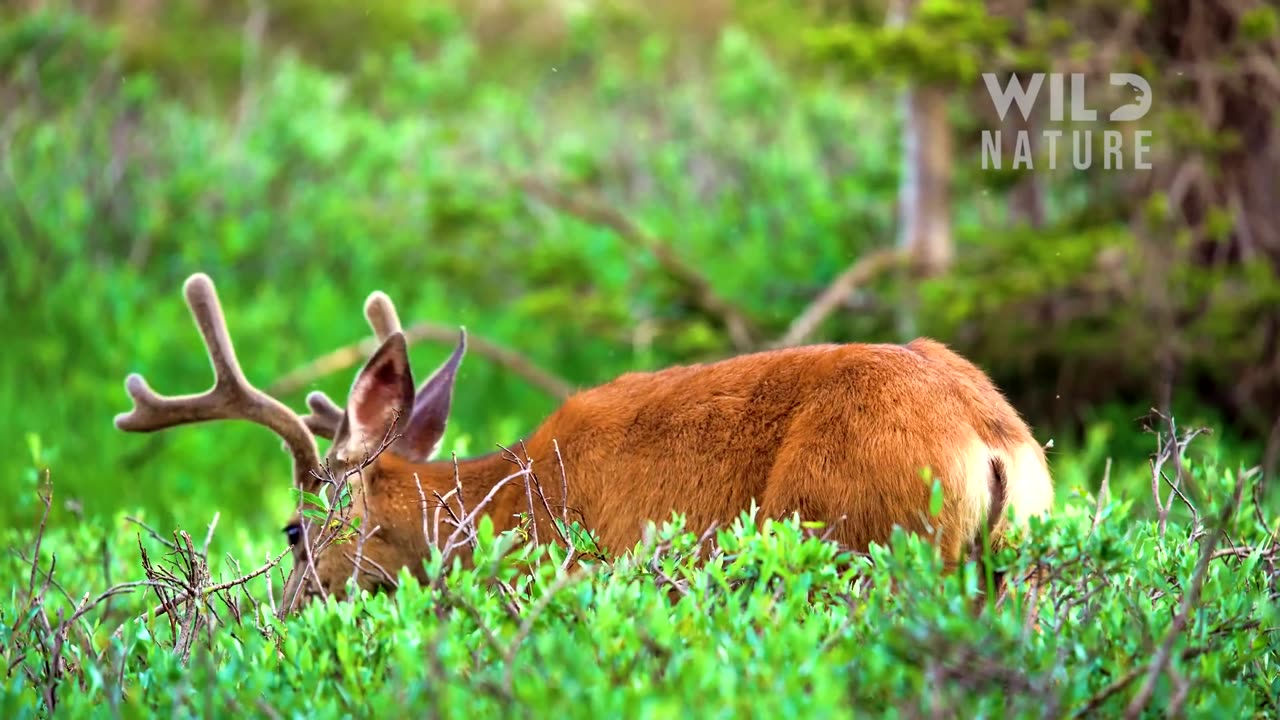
(349, 524)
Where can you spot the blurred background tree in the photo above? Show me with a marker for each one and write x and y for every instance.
(594, 188)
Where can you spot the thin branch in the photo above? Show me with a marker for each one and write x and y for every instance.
(866, 269)
(1104, 491)
(356, 353)
(47, 501)
(1120, 683)
(208, 538)
(164, 608)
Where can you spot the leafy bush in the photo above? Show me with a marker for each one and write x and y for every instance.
(1172, 615)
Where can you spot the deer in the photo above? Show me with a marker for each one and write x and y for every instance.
(846, 435)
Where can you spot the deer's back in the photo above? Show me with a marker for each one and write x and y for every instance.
(828, 430)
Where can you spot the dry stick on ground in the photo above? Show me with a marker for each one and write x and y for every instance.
(742, 332)
(860, 273)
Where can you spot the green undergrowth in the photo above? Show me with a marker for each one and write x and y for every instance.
(1173, 616)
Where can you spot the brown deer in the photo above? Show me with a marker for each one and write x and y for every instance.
(840, 434)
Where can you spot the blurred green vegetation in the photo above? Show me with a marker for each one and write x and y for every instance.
(305, 153)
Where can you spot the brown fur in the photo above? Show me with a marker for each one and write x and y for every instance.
(828, 431)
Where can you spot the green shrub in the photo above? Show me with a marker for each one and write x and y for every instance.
(776, 622)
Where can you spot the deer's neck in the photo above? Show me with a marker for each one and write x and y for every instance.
(470, 484)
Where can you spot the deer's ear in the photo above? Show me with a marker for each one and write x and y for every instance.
(381, 398)
(422, 435)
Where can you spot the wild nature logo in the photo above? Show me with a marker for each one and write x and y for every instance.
(1117, 145)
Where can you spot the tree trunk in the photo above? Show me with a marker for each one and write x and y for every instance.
(925, 198)
(924, 203)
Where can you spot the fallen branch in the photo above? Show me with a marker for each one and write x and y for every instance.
(356, 353)
(740, 329)
(860, 273)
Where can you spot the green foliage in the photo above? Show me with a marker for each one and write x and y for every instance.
(375, 148)
(322, 187)
(394, 175)
(312, 197)
(944, 42)
(776, 621)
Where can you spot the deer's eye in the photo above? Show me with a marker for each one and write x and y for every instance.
(294, 532)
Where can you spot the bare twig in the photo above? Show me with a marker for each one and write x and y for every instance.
(564, 483)
(469, 520)
(526, 466)
(351, 355)
(182, 578)
(1104, 490)
(860, 273)
(208, 538)
(1170, 447)
(164, 608)
(47, 501)
(386, 575)
(422, 508)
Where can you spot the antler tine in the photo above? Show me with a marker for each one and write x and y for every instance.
(326, 414)
(230, 398)
(381, 314)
